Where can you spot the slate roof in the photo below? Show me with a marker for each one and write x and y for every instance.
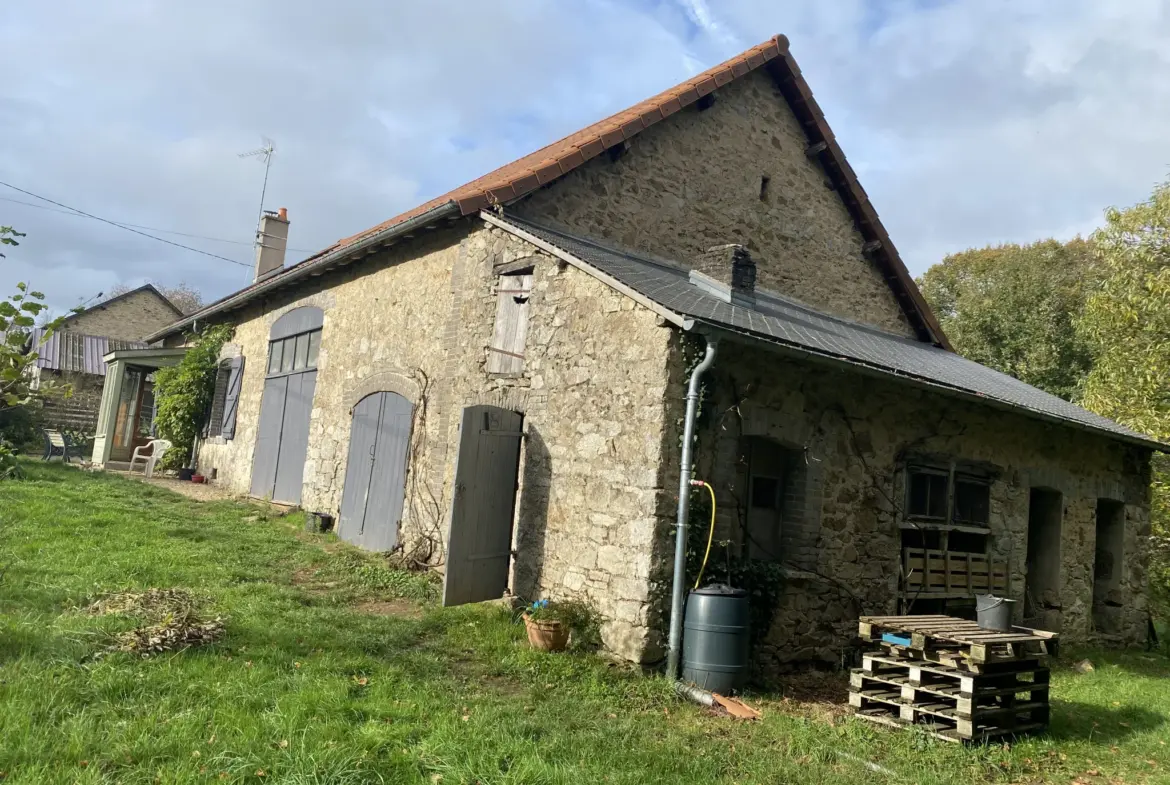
(782, 320)
(524, 175)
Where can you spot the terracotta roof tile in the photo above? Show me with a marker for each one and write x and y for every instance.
(524, 175)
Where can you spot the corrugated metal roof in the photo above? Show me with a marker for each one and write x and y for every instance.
(76, 352)
(786, 321)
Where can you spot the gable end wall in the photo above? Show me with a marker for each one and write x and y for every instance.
(130, 318)
(693, 181)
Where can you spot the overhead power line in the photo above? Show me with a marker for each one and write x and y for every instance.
(123, 226)
(140, 226)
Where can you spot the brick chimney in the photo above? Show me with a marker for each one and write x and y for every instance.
(730, 272)
(271, 241)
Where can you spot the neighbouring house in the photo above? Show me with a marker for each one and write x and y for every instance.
(494, 383)
(73, 354)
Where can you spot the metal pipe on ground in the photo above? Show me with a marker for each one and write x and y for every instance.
(673, 656)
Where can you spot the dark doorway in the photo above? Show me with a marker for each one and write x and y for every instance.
(375, 473)
(1042, 603)
(479, 547)
(1108, 565)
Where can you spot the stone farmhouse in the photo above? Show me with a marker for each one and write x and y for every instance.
(493, 383)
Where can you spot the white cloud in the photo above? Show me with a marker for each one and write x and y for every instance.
(969, 121)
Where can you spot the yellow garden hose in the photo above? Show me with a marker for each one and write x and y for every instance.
(710, 533)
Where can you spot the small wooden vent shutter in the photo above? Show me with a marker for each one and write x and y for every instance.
(231, 401)
(506, 352)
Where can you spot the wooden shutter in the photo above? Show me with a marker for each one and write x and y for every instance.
(231, 400)
(506, 351)
(215, 416)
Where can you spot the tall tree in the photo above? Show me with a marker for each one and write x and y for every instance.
(1013, 307)
(1127, 323)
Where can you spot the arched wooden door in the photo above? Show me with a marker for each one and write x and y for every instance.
(375, 474)
(278, 465)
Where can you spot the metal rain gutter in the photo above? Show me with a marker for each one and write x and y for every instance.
(334, 257)
(684, 507)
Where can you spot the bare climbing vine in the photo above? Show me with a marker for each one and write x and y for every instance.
(427, 547)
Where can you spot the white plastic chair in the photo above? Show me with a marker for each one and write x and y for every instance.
(150, 454)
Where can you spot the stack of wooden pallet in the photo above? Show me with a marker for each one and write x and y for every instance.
(951, 677)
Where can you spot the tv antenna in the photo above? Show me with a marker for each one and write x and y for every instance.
(264, 154)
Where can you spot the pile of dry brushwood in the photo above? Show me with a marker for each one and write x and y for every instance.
(170, 621)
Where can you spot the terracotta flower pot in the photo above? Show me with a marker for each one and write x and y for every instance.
(546, 634)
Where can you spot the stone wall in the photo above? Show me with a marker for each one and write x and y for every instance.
(854, 432)
(417, 320)
(128, 318)
(592, 505)
(381, 328)
(694, 181)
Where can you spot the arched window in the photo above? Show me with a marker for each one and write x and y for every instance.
(295, 341)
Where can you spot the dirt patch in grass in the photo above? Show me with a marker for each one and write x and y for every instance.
(403, 608)
(309, 579)
(815, 694)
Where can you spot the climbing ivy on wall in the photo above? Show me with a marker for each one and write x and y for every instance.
(183, 393)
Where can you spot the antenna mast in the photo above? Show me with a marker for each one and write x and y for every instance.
(264, 154)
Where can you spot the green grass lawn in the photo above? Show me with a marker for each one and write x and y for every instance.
(335, 669)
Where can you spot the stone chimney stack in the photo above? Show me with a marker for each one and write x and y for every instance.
(730, 266)
(271, 241)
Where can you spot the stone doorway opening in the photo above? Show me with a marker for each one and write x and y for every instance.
(1107, 566)
(1042, 604)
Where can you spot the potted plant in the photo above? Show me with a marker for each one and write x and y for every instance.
(551, 622)
(546, 630)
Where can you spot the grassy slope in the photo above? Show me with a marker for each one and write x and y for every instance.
(306, 689)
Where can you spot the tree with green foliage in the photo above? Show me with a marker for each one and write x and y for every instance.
(1013, 308)
(18, 315)
(1127, 324)
(183, 393)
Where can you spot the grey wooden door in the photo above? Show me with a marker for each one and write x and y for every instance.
(375, 473)
(268, 437)
(479, 545)
(283, 437)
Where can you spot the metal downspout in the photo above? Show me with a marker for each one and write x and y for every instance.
(684, 505)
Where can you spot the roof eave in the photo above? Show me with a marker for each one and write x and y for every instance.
(337, 256)
(802, 352)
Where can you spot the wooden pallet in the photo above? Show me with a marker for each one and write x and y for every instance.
(950, 702)
(960, 637)
(942, 729)
(929, 573)
(955, 658)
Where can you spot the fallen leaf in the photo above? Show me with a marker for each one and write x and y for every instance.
(83, 763)
(1093, 773)
(196, 754)
(212, 739)
(296, 665)
(284, 744)
(261, 773)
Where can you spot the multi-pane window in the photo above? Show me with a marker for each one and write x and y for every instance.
(294, 353)
(928, 491)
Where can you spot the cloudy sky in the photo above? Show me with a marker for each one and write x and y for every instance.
(969, 121)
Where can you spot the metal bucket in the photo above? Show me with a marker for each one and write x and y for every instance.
(994, 613)
(716, 640)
